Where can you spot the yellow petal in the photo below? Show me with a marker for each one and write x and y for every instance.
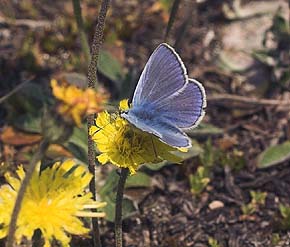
(103, 158)
(124, 105)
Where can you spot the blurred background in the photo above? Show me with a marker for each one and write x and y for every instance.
(233, 189)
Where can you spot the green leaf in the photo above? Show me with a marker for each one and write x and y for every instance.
(194, 151)
(80, 138)
(78, 143)
(274, 155)
(158, 166)
(109, 66)
(28, 122)
(140, 179)
(199, 180)
(127, 210)
(280, 24)
(128, 84)
(285, 211)
(205, 130)
(108, 193)
(29, 99)
(110, 185)
(77, 79)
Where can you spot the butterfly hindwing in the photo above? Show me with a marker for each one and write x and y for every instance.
(158, 126)
(185, 108)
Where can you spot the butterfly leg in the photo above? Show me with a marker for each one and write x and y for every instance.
(100, 128)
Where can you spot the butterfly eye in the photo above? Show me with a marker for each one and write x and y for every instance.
(123, 111)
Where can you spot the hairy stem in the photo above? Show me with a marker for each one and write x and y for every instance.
(119, 201)
(92, 167)
(97, 42)
(81, 29)
(92, 81)
(35, 159)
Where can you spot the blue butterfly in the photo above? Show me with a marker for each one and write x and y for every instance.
(166, 101)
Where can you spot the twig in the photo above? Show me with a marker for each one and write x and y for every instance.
(92, 80)
(35, 159)
(189, 15)
(17, 88)
(261, 179)
(247, 100)
(118, 210)
(81, 29)
(31, 24)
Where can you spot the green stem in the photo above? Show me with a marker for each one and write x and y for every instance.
(118, 211)
(81, 29)
(35, 159)
(92, 81)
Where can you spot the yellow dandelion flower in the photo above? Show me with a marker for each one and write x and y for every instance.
(75, 103)
(126, 146)
(54, 200)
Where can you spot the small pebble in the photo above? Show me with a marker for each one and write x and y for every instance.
(216, 204)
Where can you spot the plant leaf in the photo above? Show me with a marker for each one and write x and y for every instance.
(127, 209)
(140, 179)
(205, 130)
(194, 151)
(110, 185)
(78, 143)
(28, 122)
(108, 193)
(274, 155)
(109, 66)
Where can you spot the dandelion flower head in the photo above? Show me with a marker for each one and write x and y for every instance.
(53, 201)
(126, 146)
(76, 103)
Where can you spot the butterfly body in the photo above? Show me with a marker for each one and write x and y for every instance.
(166, 101)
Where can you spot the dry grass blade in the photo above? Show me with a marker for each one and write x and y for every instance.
(16, 89)
(172, 17)
(225, 98)
(189, 15)
(82, 33)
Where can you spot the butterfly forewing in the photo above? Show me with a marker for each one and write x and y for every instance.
(163, 75)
